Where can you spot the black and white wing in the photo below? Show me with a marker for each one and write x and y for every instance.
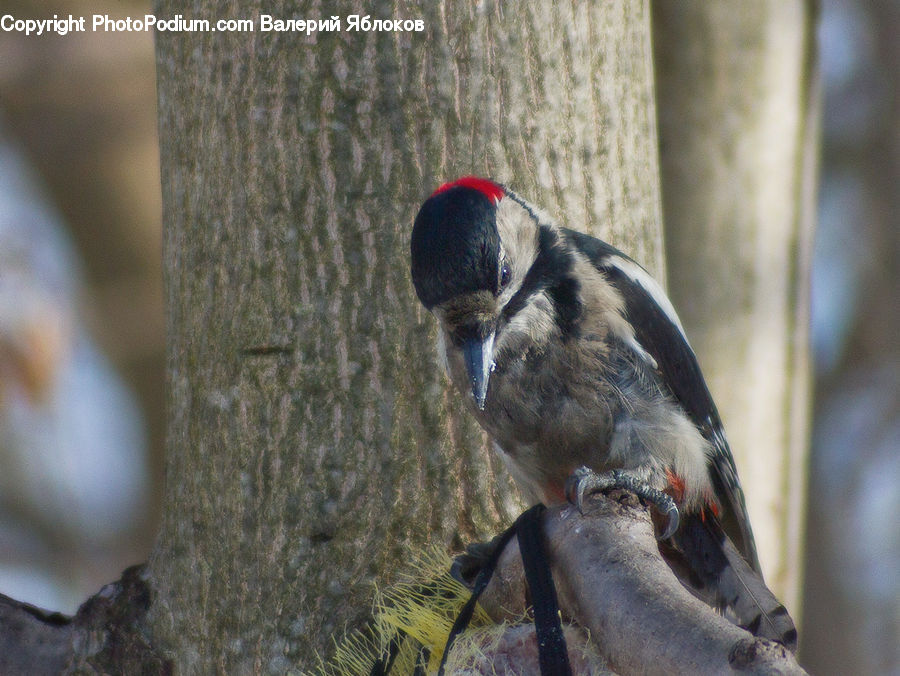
(659, 332)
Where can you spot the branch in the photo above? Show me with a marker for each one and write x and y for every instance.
(612, 581)
(30, 636)
(104, 636)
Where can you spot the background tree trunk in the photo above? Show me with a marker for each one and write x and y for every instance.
(312, 443)
(738, 102)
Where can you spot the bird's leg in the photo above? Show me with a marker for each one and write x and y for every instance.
(585, 481)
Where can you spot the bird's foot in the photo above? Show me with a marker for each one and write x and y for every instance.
(466, 566)
(585, 481)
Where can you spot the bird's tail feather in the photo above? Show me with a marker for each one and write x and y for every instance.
(725, 575)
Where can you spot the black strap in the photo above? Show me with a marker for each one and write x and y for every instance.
(484, 576)
(421, 668)
(553, 655)
(383, 666)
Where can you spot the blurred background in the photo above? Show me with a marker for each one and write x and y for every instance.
(81, 313)
(82, 327)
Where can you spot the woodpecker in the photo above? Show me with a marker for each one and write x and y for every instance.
(572, 358)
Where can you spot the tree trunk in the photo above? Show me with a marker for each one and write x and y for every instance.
(312, 444)
(738, 105)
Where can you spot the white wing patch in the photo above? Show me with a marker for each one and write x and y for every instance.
(642, 278)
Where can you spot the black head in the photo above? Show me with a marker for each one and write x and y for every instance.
(455, 246)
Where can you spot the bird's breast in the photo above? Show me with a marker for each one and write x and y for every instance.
(549, 413)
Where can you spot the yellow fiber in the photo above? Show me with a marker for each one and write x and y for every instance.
(418, 611)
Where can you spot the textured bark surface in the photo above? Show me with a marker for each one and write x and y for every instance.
(738, 106)
(312, 442)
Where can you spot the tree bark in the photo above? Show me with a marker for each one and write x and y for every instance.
(738, 101)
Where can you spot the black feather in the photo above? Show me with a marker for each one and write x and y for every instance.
(455, 246)
(551, 272)
(736, 587)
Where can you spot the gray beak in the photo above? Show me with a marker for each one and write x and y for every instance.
(479, 356)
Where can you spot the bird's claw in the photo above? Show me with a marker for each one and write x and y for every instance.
(670, 514)
(585, 480)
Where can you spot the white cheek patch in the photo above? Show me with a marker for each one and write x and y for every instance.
(519, 243)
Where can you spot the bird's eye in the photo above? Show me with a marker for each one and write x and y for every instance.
(504, 275)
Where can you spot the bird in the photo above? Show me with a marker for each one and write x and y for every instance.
(572, 358)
